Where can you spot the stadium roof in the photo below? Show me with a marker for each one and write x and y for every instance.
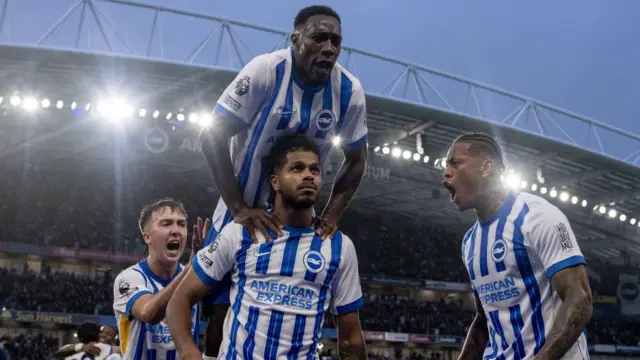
(542, 142)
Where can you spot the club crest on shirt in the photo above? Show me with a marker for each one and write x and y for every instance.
(325, 120)
(313, 261)
(242, 85)
(499, 250)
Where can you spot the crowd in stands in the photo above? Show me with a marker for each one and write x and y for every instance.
(30, 347)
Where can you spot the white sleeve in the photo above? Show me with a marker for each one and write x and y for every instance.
(244, 97)
(128, 286)
(346, 294)
(212, 263)
(353, 129)
(553, 240)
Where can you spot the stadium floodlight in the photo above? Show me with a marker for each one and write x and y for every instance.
(114, 109)
(194, 118)
(336, 140)
(543, 190)
(1, 99)
(180, 117)
(623, 217)
(553, 193)
(564, 196)
(45, 103)
(30, 103)
(59, 104)
(602, 210)
(142, 113)
(376, 149)
(88, 107)
(396, 152)
(523, 184)
(534, 187)
(386, 150)
(406, 155)
(638, 223)
(15, 100)
(426, 159)
(416, 157)
(512, 180)
(612, 213)
(169, 115)
(632, 221)
(73, 105)
(206, 120)
(574, 200)
(156, 114)
(584, 203)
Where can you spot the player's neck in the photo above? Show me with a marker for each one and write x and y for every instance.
(490, 202)
(301, 74)
(298, 218)
(161, 269)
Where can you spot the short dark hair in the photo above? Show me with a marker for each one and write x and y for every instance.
(89, 332)
(148, 210)
(288, 144)
(484, 144)
(313, 10)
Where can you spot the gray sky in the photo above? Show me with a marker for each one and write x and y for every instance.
(579, 55)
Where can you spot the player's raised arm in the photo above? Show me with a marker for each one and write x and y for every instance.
(233, 113)
(478, 335)
(208, 268)
(556, 245)
(346, 301)
(353, 132)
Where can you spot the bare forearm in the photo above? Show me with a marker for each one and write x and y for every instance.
(66, 351)
(179, 321)
(216, 152)
(353, 347)
(155, 308)
(345, 187)
(574, 314)
(476, 341)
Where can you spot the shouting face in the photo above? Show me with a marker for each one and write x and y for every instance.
(317, 47)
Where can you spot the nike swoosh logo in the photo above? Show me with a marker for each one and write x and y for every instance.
(280, 112)
(258, 254)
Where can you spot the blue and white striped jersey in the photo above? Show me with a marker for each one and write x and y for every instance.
(138, 340)
(511, 259)
(269, 101)
(280, 289)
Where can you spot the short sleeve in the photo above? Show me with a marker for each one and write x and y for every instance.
(212, 263)
(353, 129)
(243, 98)
(128, 286)
(553, 240)
(347, 292)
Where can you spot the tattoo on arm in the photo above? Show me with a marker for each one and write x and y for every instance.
(349, 351)
(572, 284)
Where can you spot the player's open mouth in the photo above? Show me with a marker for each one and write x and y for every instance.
(173, 245)
(452, 191)
(324, 64)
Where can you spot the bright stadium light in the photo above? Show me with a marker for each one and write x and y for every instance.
(169, 116)
(584, 203)
(386, 150)
(206, 120)
(602, 210)
(543, 190)
(15, 100)
(88, 107)
(512, 180)
(523, 184)
(623, 217)
(30, 103)
(73, 105)
(564, 196)
(45, 103)
(180, 117)
(1, 99)
(376, 149)
(396, 152)
(612, 213)
(553, 193)
(416, 157)
(632, 221)
(336, 141)
(406, 155)
(59, 104)
(142, 113)
(426, 159)
(574, 200)
(114, 109)
(194, 118)
(534, 187)
(156, 114)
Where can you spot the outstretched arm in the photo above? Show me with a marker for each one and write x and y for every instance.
(477, 337)
(351, 344)
(572, 284)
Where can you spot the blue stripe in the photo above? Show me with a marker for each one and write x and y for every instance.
(140, 344)
(252, 323)
(327, 104)
(151, 354)
(316, 245)
(287, 109)
(495, 321)
(529, 279)
(146, 283)
(171, 354)
(298, 336)
(492, 344)
(229, 115)
(484, 240)
(568, 262)
(289, 257)
(262, 265)
(472, 247)
(202, 274)
(273, 335)
(517, 323)
(346, 88)
(196, 329)
(305, 111)
(336, 256)
(504, 211)
(132, 300)
(350, 307)
(241, 263)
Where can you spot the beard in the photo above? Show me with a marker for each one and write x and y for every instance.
(299, 204)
